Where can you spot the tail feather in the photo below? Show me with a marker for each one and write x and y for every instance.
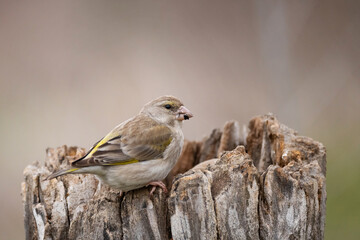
(61, 172)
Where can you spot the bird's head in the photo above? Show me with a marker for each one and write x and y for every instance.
(167, 110)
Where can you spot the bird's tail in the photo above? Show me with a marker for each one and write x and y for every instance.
(61, 172)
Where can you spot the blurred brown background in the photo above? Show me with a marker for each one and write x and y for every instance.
(71, 70)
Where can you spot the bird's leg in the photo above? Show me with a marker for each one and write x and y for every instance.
(155, 184)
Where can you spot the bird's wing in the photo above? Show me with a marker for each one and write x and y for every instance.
(139, 139)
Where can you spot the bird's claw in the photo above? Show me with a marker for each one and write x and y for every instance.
(157, 184)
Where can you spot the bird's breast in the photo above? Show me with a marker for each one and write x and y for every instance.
(173, 151)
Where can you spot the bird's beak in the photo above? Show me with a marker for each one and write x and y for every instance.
(183, 114)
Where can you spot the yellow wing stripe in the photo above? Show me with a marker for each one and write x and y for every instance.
(72, 170)
(123, 163)
(103, 141)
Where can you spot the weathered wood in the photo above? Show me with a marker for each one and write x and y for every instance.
(293, 189)
(192, 213)
(273, 188)
(220, 201)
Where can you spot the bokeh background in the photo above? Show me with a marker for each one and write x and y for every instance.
(72, 70)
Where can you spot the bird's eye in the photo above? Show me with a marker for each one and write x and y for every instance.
(167, 106)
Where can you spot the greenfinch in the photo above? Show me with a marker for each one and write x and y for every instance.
(140, 151)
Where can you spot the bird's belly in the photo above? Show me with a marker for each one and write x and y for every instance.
(136, 175)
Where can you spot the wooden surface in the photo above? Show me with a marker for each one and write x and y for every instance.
(262, 181)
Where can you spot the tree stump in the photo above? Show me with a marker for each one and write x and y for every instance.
(262, 181)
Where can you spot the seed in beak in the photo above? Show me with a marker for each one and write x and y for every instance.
(186, 117)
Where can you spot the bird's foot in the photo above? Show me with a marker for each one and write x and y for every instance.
(157, 184)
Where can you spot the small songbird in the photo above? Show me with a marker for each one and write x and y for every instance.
(140, 151)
